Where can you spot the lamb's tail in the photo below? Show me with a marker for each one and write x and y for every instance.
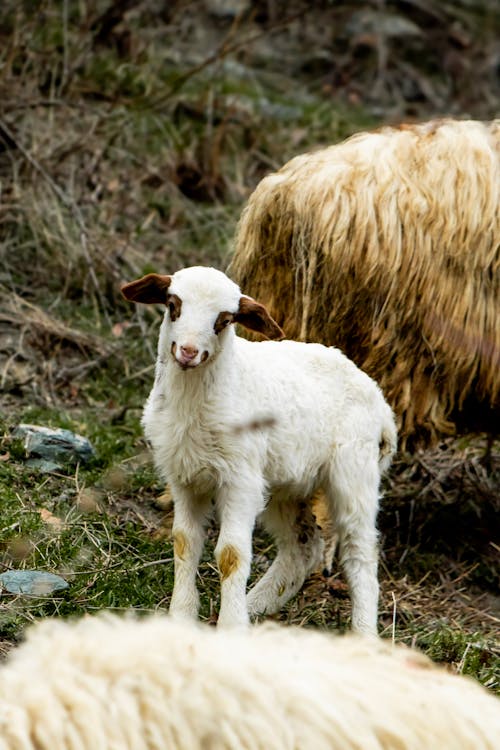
(388, 441)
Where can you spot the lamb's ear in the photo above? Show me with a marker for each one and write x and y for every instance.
(255, 317)
(150, 289)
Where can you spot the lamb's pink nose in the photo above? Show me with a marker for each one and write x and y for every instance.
(188, 353)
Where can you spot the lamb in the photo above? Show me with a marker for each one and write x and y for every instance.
(108, 683)
(318, 422)
(387, 245)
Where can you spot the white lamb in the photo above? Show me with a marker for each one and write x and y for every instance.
(104, 683)
(331, 429)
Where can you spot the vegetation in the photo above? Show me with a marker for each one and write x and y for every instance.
(130, 136)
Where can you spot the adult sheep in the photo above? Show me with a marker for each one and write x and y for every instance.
(388, 246)
(105, 683)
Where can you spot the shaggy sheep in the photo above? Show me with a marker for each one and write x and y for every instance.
(388, 246)
(105, 683)
(317, 421)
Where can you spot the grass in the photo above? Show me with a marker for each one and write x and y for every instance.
(116, 161)
(89, 525)
(104, 528)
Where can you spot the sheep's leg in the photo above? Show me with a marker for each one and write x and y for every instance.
(321, 510)
(353, 494)
(233, 552)
(300, 550)
(188, 535)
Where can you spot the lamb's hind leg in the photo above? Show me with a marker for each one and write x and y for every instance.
(300, 550)
(353, 494)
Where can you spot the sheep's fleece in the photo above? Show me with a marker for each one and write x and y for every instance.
(110, 683)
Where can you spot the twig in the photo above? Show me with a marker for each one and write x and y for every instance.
(140, 373)
(74, 372)
(22, 312)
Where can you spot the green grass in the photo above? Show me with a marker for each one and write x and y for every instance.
(470, 654)
(95, 536)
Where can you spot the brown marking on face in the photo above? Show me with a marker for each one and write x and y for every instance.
(150, 289)
(255, 317)
(228, 561)
(223, 320)
(180, 544)
(174, 304)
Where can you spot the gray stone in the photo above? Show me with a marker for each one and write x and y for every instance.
(228, 9)
(389, 25)
(33, 582)
(52, 449)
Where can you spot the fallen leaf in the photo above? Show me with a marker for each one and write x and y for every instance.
(120, 328)
(116, 478)
(19, 548)
(88, 501)
(50, 519)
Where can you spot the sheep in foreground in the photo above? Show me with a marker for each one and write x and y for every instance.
(388, 246)
(105, 683)
(325, 423)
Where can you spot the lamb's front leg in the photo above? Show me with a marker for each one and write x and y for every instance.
(188, 535)
(238, 510)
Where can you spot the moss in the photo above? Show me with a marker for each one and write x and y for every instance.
(468, 653)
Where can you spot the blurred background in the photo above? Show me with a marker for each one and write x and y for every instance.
(131, 134)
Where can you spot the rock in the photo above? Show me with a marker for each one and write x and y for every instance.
(33, 582)
(226, 9)
(53, 449)
(389, 25)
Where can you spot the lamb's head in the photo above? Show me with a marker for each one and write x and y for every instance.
(201, 303)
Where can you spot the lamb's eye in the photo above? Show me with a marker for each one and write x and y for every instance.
(223, 320)
(174, 305)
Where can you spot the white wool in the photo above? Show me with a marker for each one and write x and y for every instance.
(320, 422)
(106, 683)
